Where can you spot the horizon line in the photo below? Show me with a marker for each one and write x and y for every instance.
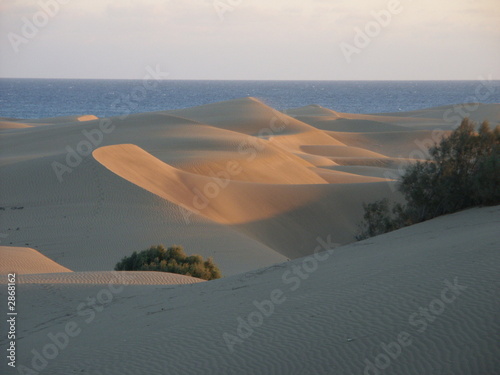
(252, 80)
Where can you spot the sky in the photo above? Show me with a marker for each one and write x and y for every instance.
(251, 39)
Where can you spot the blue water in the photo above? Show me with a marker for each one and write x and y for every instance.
(38, 98)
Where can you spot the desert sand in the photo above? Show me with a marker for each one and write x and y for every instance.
(264, 193)
(23, 260)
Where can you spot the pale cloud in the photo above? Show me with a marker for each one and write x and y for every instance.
(281, 39)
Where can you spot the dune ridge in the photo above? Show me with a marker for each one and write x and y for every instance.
(266, 212)
(257, 186)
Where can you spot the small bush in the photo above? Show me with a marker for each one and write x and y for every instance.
(173, 260)
(377, 219)
(463, 172)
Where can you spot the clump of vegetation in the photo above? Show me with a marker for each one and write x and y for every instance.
(173, 259)
(381, 217)
(463, 171)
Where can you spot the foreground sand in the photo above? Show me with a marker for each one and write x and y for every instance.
(334, 320)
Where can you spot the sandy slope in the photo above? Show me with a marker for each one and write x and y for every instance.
(251, 187)
(31, 267)
(11, 123)
(476, 111)
(339, 177)
(23, 260)
(327, 119)
(407, 144)
(103, 277)
(268, 183)
(4, 124)
(444, 117)
(335, 320)
(286, 218)
(58, 120)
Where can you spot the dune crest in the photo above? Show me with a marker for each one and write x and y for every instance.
(236, 180)
(219, 199)
(283, 217)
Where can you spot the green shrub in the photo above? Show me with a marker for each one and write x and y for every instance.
(463, 171)
(377, 219)
(173, 260)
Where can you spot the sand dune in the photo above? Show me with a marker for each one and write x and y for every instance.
(316, 160)
(11, 123)
(340, 151)
(475, 111)
(4, 125)
(289, 181)
(31, 267)
(314, 110)
(317, 114)
(59, 120)
(350, 125)
(252, 117)
(348, 177)
(252, 187)
(336, 320)
(364, 170)
(247, 115)
(407, 144)
(444, 117)
(283, 217)
(23, 260)
(104, 277)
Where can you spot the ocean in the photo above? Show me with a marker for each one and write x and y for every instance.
(39, 98)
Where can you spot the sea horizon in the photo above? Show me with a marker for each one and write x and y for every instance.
(21, 97)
